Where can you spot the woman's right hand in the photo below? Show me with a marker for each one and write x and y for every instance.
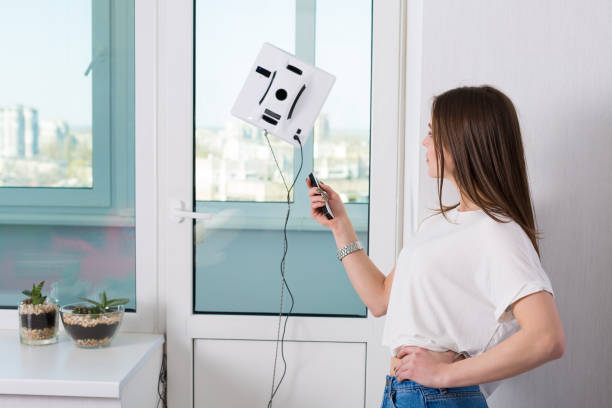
(317, 200)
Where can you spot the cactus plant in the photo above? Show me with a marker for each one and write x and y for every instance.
(38, 317)
(99, 307)
(95, 325)
(34, 295)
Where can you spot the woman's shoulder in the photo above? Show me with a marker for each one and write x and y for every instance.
(505, 235)
(503, 227)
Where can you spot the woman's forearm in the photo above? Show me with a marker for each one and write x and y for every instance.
(366, 278)
(517, 354)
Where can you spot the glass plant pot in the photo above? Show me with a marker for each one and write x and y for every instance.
(38, 324)
(91, 330)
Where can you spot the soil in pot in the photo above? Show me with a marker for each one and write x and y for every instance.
(91, 330)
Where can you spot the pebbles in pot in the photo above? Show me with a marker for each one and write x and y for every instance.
(38, 323)
(92, 330)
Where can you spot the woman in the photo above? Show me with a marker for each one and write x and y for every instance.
(469, 283)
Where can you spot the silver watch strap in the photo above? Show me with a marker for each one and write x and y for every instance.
(347, 249)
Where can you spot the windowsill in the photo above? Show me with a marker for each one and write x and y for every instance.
(64, 369)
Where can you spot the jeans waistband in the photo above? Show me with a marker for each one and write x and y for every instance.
(392, 383)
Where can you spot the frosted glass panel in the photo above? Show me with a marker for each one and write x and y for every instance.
(73, 261)
(238, 271)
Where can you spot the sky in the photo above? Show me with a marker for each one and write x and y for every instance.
(229, 35)
(46, 48)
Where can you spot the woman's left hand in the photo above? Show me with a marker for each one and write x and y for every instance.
(423, 366)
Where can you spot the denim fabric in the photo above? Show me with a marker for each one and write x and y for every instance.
(409, 394)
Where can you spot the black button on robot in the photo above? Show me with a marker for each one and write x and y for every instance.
(281, 94)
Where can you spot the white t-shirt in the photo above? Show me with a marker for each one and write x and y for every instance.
(454, 284)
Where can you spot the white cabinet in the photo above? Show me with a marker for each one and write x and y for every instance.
(238, 373)
(62, 375)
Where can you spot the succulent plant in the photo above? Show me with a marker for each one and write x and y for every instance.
(99, 307)
(34, 295)
(81, 310)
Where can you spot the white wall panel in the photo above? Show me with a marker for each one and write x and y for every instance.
(238, 373)
(554, 60)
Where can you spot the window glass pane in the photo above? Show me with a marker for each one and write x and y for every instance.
(238, 251)
(46, 97)
(342, 131)
(77, 250)
(232, 159)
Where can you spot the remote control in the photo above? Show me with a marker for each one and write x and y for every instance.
(325, 210)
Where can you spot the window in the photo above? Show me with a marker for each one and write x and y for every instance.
(55, 116)
(236, 178)
(46, 101)
(67, 148)
(232, 157)
(342, 132)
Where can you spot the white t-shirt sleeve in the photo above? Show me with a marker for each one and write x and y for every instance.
(513, 269)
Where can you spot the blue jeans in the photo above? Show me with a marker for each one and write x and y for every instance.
(409, 394)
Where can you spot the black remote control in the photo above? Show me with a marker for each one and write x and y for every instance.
(325, 210)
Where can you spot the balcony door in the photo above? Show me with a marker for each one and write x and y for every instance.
(222, 263)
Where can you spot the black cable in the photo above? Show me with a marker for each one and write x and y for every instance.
(284, 282)
(162, 382)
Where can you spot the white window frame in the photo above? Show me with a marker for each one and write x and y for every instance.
(109, 202)
(148, 316)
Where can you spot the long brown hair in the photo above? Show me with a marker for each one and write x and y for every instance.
(479, 128)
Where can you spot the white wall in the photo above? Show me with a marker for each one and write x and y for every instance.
(554, 60)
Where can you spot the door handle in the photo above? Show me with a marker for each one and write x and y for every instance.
(180, 213)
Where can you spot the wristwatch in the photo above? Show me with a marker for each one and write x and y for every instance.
(347, 249)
